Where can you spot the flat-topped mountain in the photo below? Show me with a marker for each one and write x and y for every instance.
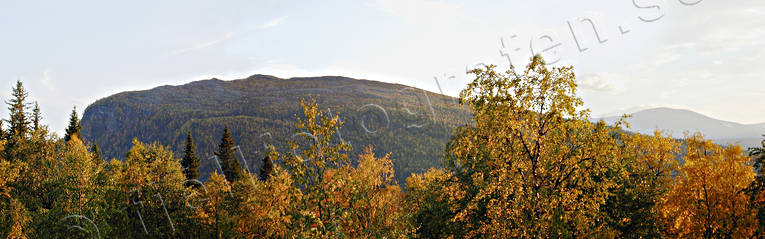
(412, 123)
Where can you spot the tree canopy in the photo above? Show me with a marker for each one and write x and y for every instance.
(531, 164)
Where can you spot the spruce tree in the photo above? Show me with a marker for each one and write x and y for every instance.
(36, 117)
(2, 131)
(190, 161)
(96, 153)
(267, 169)
(18, 128)
(19, 124)
(73, 130)
(230, 165)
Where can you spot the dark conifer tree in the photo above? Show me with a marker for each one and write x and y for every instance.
(73, 130)
(18, 128)
(757, 186)
(96, 153)
(2, 131)
(190, 161)
(19, 124)
(232, 170)
(36, 117)
(267, 169)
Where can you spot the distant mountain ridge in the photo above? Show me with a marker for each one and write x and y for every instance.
(413, 124)
(679, 121)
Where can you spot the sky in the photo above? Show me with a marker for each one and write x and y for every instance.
(702, 55)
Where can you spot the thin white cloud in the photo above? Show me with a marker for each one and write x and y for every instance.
(273, 22)
(600, 81)
(420, 11)
(204, 45)
(667, 57)
(46, 80)
(684, 45)
(754, 12)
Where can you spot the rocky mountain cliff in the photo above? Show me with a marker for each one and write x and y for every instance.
(413, 124)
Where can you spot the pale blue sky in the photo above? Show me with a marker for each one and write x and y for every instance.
(700, 55)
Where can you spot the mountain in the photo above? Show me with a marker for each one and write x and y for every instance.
(413, 124)
(678, 121)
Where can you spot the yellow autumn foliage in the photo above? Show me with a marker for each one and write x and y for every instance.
(707, 199)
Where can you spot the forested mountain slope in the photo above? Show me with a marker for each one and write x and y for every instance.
(413, 124)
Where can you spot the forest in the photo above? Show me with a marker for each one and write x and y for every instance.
(530, 164)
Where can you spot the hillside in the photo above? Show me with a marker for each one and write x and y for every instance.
(413, 124)
(677, 122)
